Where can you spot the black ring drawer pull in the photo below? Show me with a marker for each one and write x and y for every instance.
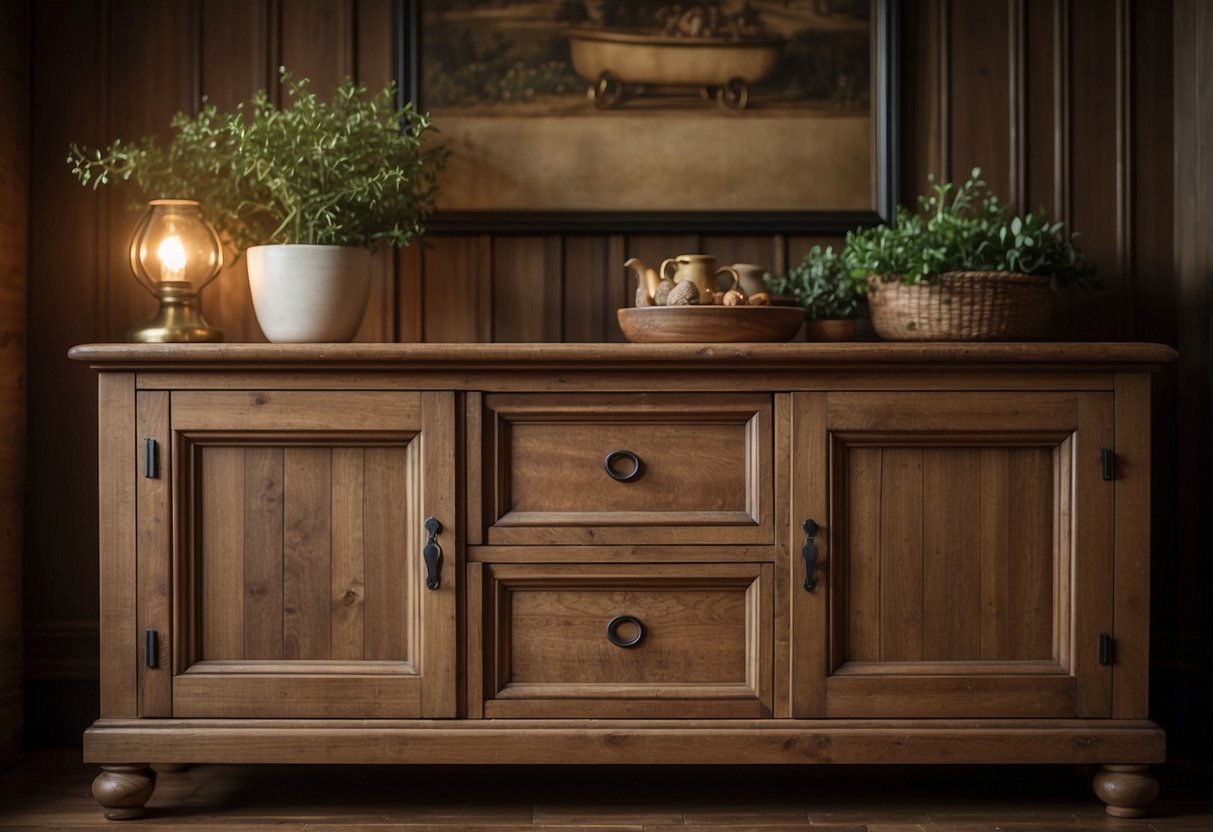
(615, 456)
(613, 626)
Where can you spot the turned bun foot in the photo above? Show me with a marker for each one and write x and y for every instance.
(123, 790)
(1127, 790)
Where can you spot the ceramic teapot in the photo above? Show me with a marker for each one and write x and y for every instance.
(701, 270)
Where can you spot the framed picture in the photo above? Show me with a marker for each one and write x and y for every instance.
(649, 115)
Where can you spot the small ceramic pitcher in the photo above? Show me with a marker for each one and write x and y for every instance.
(749, 278)
(701, 270)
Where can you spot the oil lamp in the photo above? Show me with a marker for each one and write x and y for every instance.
(174, 253)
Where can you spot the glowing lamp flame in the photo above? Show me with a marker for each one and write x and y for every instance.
(172, 258)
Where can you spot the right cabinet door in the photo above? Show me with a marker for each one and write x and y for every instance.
(965, 556)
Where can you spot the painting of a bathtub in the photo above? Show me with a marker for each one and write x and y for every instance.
(618, 64)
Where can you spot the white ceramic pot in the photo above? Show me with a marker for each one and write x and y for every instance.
(309, 294)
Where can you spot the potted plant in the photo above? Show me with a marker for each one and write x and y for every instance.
(823, 285)
(964, 267)
(307, 189)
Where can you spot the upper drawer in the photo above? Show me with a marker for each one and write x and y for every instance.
(643, 469)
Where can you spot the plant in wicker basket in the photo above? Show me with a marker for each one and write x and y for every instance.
(963, 267)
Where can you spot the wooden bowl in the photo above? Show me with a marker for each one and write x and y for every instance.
(709, 324)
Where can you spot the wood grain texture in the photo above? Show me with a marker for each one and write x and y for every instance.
(307, 554)
(1130, 695)
(1092, 576)
(965, 550)
(704, 476)
(307, 569)
(118, 461)
(262, 548)
(154, 544)
(1075, 59)
(220, 514)
(703, 640)
(240, 54)
(649, 741)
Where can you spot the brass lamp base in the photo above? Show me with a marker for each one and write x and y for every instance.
(177, 320)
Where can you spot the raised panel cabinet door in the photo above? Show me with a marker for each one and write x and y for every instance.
(964, 555)
(297, 554)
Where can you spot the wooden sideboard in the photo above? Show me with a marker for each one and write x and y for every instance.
(542, 553)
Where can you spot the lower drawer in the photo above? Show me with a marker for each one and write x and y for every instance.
(634, 640)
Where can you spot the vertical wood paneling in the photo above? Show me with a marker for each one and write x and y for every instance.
(306, 552)
(219, 511)
(239, 55)
(951, 580)
(589, 275)
(263, 502)
(147, 86)
(373, 58)
(387, 568)
(1152, 270)
(457, 289)
(1038, 95)
(1095, 160)
(348, 594)
(527, 289)
(924, 94)
(68, 54)
(410, 315)
(901, 555)
(862, 568)
(14, 251)
(318, 41)
(980, 75)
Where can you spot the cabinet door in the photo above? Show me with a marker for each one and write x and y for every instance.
(281, 554)
(965, 554)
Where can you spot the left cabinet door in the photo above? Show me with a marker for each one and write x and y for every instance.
(281, 545)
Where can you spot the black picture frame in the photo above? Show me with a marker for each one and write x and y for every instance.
(406, 46)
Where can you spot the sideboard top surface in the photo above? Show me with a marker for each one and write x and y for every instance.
(787, 356)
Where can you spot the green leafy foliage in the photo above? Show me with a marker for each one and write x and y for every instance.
(821, 284)
(965, 228)
(350, 171)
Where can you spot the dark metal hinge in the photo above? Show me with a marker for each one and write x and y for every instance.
(1106, 646)
(151, 458)
(151, 648)
(1107, 460)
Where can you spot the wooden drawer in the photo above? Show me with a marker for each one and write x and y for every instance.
(643, 469)
(541, 641)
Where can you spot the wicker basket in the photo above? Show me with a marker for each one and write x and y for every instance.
(962, 306)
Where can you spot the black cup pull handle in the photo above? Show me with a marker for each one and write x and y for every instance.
(810, 556)
(612, 631)
(614, 457)
(432, 553)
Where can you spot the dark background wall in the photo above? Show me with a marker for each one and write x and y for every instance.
(1099, 110)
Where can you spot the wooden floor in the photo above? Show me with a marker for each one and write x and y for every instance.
(50, 790)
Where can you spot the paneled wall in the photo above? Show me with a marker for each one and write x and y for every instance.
(14, 231)
(1063, 103)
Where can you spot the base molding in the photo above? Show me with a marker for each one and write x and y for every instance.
(677, 742)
